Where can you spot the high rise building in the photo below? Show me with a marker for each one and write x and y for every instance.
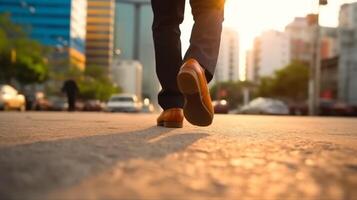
(126, 17)
(271, 52)
(347, 68)
(301, 35)
(100, 28)
(329, 43)
(329, 78)
(55, 23)
(128, 75)
(348, 16)
(228, 59)
(301, 38)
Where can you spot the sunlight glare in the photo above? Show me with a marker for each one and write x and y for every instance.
(252, 17)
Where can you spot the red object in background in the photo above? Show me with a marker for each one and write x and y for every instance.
(327, 94)
(222, 93)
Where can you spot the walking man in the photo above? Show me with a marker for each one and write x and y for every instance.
(71, 89)
(184, 80)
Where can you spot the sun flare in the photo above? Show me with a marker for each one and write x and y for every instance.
(251, 17)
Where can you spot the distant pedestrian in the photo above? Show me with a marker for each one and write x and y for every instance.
(71, 89)
(184, 80)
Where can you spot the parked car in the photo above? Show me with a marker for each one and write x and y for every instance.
(58, 103)
(147, 106)
(220, 106)
(10, 99)
(38, 101)
(124, 103)
(93, 105)
(265, 106)
(298, 108)
(335, 108)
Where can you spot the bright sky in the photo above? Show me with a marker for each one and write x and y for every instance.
(251, 17)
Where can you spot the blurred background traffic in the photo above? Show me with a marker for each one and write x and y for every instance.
(276, 57)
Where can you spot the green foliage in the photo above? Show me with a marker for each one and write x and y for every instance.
(289, 83)
(96, 84)
(21, 58)
(29, 69)
(266, 86)
(97, 89)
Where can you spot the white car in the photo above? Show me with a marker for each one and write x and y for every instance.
(10, 99)
(124, 103)
(265, 106)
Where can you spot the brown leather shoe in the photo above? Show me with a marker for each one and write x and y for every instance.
(192, 83)
(171, 118)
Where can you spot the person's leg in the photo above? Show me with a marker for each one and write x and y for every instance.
(168, 15)
(71, 102)
(200, 61)
(206, 33)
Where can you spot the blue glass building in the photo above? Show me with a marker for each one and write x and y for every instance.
(56, 23)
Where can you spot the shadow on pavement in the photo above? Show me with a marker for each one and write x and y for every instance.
(32, 170)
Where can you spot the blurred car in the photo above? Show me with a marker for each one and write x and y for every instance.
(124, 103)
(38, 102)
(93, 105)
(335, 108)
(10, 99)
(220, 106)
(58, 103)
(147, 106)
(265, 106)
(298, 108)
(79, 105)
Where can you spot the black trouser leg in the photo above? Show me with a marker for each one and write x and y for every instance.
(204, 42)
(168, 15)
(71, 102)
(206, 33)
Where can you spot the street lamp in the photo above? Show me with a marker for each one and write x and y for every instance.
(137, 9)
(323, 2)
(315, 69)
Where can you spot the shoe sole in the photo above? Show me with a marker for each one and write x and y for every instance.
(170, 124)
(194, 109)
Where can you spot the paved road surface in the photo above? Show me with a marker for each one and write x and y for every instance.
(123, 156)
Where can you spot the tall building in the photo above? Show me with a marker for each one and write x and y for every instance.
(329, 78)
(329, 42)
(347, 68)
(301, 35)
(128, 75)
(228, 59)
(348, 16)
(56, 23)
(126, 17)
(271, 52)
(100, 28)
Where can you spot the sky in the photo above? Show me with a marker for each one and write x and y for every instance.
(252, 17)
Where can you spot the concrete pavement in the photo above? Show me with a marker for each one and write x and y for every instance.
(123, 156)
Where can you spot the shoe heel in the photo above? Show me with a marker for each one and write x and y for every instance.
(188, 82)
(160, 124)
(173, 124)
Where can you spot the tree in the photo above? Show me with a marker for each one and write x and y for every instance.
(290, 83)
(95, 84)
(266, 86)
(21, 58)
